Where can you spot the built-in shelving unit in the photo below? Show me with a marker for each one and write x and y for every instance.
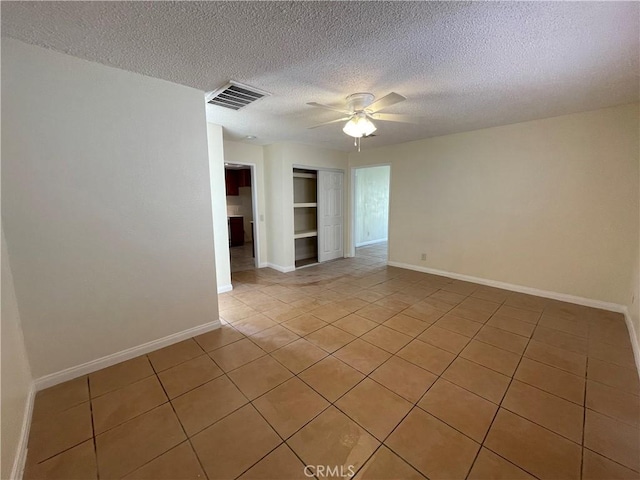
(305, 216)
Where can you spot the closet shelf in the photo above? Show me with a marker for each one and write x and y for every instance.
(305, 234)
(304, 175)
(305, 205)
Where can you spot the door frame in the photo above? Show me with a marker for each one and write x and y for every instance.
(352, 206)
(254, 209)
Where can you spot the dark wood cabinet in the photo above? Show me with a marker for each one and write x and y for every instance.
(234, 179)
(236, 231)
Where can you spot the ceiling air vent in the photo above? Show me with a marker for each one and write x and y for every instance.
(235, 95)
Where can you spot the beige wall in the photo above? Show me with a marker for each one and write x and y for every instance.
(106, 206)
(550, 204)
(16, 374)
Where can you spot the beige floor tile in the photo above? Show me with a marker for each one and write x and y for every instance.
(613, 439)
(236, 354)
(254, 324)
(557, 357)
(622, 378)
(369, 296)
(488, 465)
(459, 408)
(201, 407)
(329, 313)
(404, 378)
(470, 313)
(597, 467)
(282, 463)
(127, 447)
(299, 355)
(235, 443)
(120, 375)
(613, 403)
(491, 294)
(331, 378)
(524, 301)
(355, 324)
(576, 327)
(558, 415)
(218, 338)
(432, 447)
(552, 380)
(362, 356)
(405, 324)
(76, 463)
(288, 407)
(189, 375)
(236, 314)
(460, 325)
(478, 379)
(376, 313)
(335, 440)
(117, 407)
(428, 310)
(179, 463)
(491, 357)
(533, 448)
(61, 397)
(612, 353)
(304, 324)
(57, 432)
(559, 339)
(518, 313)
(259, 376)
(365, 403)
(392, 303)
(502, 339)
(273, 338)
(448, 296)
(427, 356)
(480, 305)
(175, 354)
(352, 304)
(330, 338)
(513, 325)
(445, 339)
(386, 338)
(386, 465)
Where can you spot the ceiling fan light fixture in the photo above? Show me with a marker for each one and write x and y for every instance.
(359, 126)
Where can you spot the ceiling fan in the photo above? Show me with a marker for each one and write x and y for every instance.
(360, 110)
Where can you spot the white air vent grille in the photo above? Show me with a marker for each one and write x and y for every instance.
(235, 96)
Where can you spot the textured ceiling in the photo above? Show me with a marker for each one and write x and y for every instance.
(461, 65)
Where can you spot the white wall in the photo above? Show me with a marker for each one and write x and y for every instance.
(633, 296)
(16, 373)
(279, 162)
(219, 206)
(550, 204)
(106, 206)
(371, 204)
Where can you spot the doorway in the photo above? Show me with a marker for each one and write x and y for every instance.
(241, 207)
(370, 229)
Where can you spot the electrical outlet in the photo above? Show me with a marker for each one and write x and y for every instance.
(423, 256)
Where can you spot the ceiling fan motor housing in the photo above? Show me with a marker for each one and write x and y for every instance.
(359, 101)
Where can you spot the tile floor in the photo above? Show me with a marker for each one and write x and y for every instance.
(241, 257)
(364, 368)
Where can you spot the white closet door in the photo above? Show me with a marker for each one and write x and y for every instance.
(330, 215)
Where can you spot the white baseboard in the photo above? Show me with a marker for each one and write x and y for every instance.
(109, 360)
(634, 338)
(280, 268)
(224, 288)
(371, 242)
(588, 302)
(21, 452)
(263, 265)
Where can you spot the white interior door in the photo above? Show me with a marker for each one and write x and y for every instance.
(330, 215)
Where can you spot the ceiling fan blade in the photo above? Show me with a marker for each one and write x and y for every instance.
(385, 102)
(344, 119)
(329, 107)
(393, 117)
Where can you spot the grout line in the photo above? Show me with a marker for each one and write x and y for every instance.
(93, 428)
